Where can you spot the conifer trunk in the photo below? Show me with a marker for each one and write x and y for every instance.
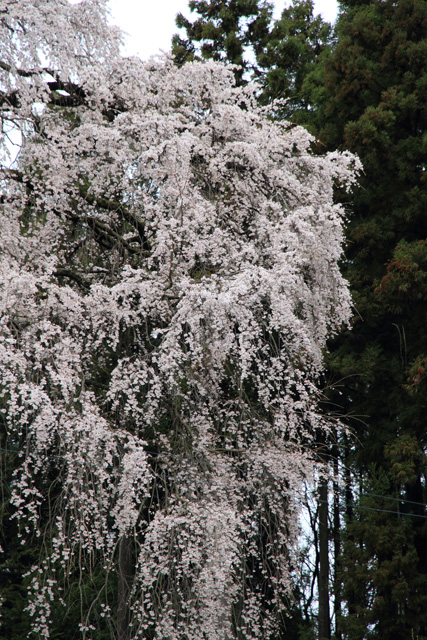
(323, 579)
(336, 536)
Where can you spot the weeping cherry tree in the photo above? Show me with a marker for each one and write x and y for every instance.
(168, 280)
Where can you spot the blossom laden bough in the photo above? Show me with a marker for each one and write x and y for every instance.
(169, 277)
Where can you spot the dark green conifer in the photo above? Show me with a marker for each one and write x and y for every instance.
(234, 31)
(293, 49)
(371, 95)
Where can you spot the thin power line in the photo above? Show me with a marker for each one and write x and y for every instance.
(377, 495)
(397, 513)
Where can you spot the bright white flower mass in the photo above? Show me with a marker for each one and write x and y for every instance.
(168, 280)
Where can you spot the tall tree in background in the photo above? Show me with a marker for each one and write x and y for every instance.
(372, 101)
(292, 51)
(233, 31)
(168, 280)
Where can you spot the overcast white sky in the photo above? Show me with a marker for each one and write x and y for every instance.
(151, 23)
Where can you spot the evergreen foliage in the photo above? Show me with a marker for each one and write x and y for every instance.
(233, 31)
(373, 102)
(291, 53)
